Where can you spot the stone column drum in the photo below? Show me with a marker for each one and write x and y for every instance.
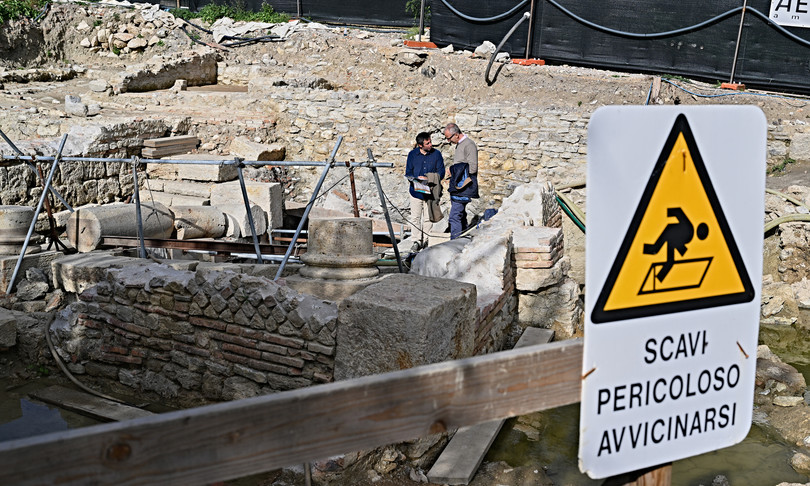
(339, 249)
(14, 224)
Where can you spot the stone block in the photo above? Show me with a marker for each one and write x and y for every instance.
(534, 279)
(37, 260)
(74, 106)
(76, 273)
(202, 172)
(8, 329)
(800, 147)
(404, 321)
(185, 188)
(250, 150)
(267, 195)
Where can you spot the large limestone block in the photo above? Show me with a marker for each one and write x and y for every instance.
(195, 172)
(76, 273)
(198, 222)
(88, 226)
(250, 150)
(800, 146)
(238, 224)
(404, 321)
(484, 260)
(37, 260)
(205, 172)
(267, 195)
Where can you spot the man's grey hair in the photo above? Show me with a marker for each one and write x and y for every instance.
(452, 128)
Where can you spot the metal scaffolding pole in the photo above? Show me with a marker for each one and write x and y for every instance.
(274, 163)
(138, 216)
(303, 221)
(385, 210)
(36, 214)
(249, 213)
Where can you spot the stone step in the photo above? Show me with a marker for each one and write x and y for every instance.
(460, 460)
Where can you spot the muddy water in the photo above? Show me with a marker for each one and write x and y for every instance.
(756, 461)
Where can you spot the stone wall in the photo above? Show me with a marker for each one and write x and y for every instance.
(185, 337)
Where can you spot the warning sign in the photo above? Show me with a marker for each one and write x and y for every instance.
(676, 197)
(678, 253)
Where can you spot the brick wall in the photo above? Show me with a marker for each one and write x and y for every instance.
(184, 337)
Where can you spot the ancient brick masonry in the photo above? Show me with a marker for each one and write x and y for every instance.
(186, 337)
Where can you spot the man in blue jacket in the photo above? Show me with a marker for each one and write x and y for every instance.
(422, 161)
(463, 175)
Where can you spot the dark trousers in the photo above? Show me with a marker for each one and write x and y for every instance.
(457, 218)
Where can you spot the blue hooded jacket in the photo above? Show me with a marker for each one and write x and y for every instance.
(459, 172)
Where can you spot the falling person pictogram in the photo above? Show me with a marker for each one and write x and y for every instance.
(675, 236)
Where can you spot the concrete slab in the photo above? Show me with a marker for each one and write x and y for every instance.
(459, 461)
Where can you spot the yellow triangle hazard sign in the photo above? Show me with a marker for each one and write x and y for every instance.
(678, 253)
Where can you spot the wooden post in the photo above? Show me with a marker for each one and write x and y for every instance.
(654, 476)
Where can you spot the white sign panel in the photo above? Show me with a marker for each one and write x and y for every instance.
(791, 13)
(673, 281)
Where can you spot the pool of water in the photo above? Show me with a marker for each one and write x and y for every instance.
(756, 461)
(21, 416)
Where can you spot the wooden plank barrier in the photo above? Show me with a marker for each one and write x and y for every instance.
(235, 439)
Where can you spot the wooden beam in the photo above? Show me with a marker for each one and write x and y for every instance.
(236, 439)
(87, 404)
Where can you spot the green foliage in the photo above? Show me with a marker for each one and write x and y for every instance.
(15, 9)
(234, 9)
(212, 12)
(677, 78)
(412, 33)
(267, 14)
(780, 167)
(41, 370)
(183, 13)
(414, 7)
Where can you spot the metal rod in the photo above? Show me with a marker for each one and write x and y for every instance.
(385, 211)
(249, 213)
(138, 216)
(307, 474)
(278, 163)
(421, 22)
(51, 223)
(31, 166)
(36, 214)
(309, 207)
(529, 36)
(299, 9)
(355, 209)
(737, 45)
